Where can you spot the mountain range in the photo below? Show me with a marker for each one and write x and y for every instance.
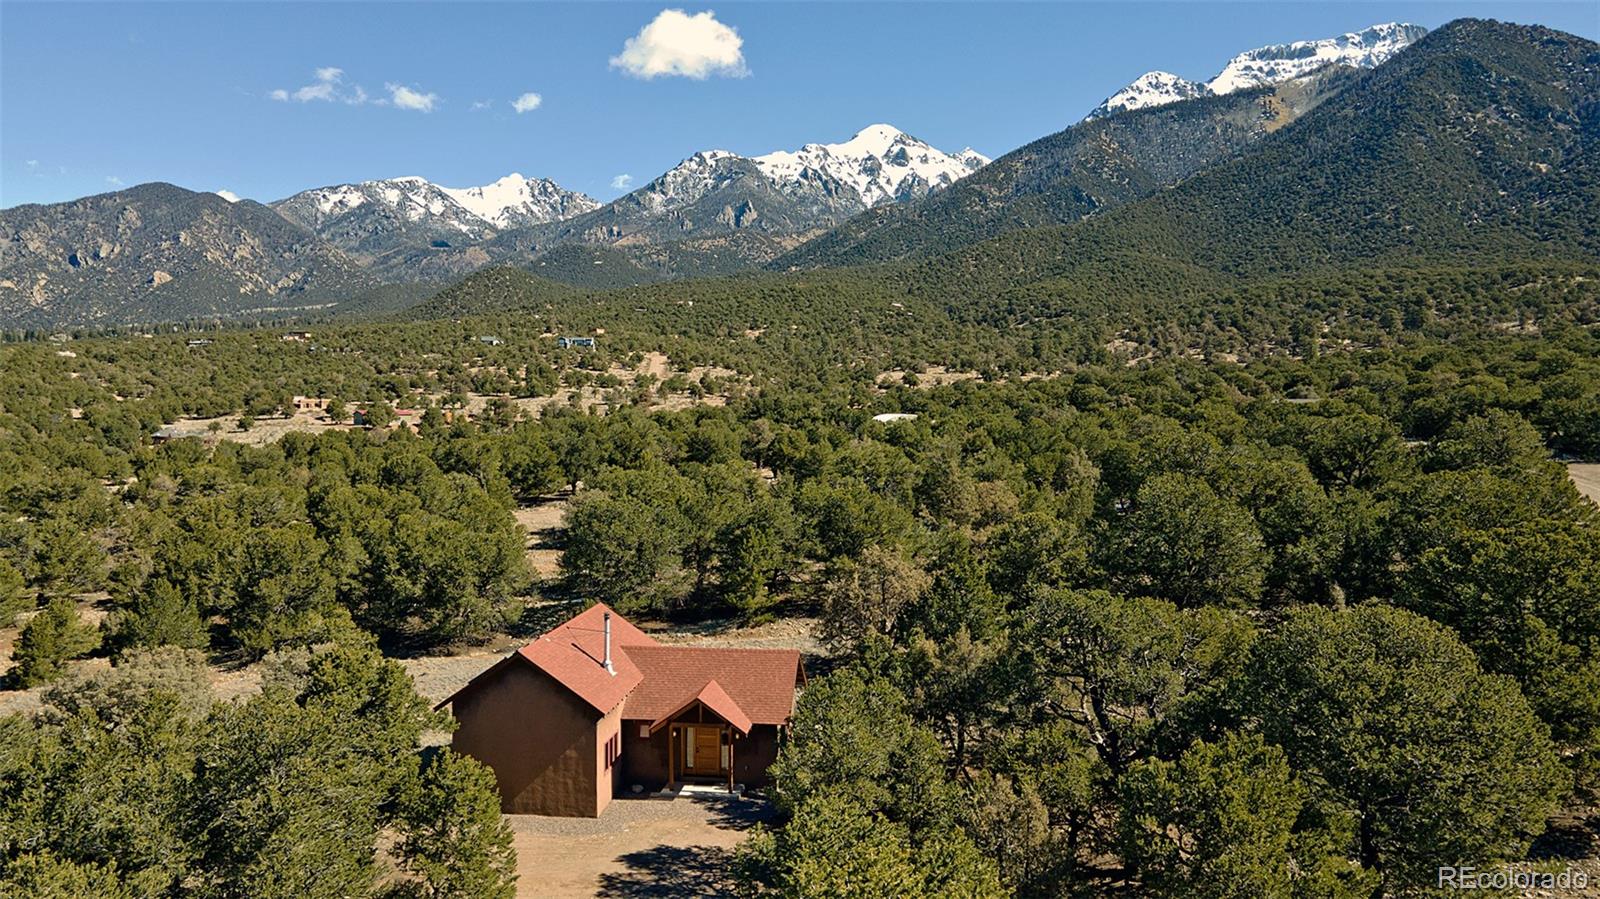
(1274, 64)
(1477, 148)
(1475, 141)
(717, 209)
(1460, 180)
(1099, 164)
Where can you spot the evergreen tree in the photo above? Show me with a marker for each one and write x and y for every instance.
(1219, 823)
(158, 615)
(49, 641)
(453, 839)
(1433, 758)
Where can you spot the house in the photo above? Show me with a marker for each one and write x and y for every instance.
(595, 706)
(570, 342)
(490, 340)
(296, 337)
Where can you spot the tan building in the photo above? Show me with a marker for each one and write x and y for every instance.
(595, 706)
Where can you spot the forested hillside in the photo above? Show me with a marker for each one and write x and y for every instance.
(157, 252)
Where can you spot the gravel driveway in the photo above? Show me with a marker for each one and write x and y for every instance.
(637, 847)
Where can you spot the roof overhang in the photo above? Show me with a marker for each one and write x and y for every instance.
(717, 700)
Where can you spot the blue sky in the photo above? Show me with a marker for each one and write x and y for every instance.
(96, 96)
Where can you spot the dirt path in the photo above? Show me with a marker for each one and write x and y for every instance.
(1587, 476)
(637, 847)
(543, 522)
(657, 364)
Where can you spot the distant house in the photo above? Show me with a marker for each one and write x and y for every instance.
(199, 341)
(310, 403)
(168, 432)
(490, 340)
(595, 706)
(569, 342)
(891, 417)
(296, 336)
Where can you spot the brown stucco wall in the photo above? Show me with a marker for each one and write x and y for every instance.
(644, 761)
(605, 785)
(539, 739)
(753, 754)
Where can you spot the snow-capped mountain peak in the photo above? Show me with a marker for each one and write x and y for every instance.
(510, 202)
(1150, 89)
(1368, 48)
(515, 201)
(880, 163)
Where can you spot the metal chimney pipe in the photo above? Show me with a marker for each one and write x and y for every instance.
(607, 661)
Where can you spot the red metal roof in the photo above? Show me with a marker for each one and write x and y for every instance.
(760, 682)
(743, 686)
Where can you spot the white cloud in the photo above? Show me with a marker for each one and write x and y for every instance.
(676, 43)
(481, 104)
(113, 180)
(228, 195)
(33, 164)
(327, 87)
(407, 98)
(528, 102)
(322, 90)
(622, 182)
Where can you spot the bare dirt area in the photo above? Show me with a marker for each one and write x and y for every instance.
(637, 847)
(932, 376)
(262, 431)
(268, 430)
(782, 633)
(543, 522)
(1586, 475)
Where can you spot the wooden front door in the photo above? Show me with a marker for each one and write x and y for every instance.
(702, 751)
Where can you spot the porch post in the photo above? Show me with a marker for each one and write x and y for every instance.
(672, 752)
(730, 759)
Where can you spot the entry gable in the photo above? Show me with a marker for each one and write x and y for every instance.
(713, 697)
(761, 683)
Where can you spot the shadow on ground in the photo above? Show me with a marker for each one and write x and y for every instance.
(672, 871)
(687, 870)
